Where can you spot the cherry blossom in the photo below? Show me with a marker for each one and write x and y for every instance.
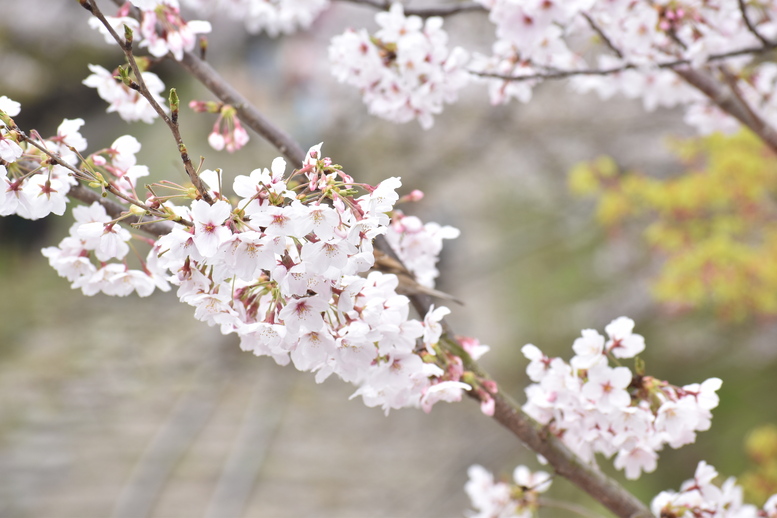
(519, 499)
(128, 103)
(596, 408)
(405, 71)
(176, 36)
(209, 230)
(274, 18)
(699, 496)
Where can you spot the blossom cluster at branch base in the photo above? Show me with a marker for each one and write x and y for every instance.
(405, 70)
(283, 268)
(516, 499)
(285, 265)
(700, 497)
(596, 408)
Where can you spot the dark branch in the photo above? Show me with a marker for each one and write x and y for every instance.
(669, 65)
(425, 12)
(606, 40)
(750, 26)
(728, 102)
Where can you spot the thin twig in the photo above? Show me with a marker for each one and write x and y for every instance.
(144, 91)
(671, 65)
(425, 12)
(607, 41)
(750, 26)
(114, 209)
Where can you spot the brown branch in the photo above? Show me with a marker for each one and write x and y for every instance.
(727, 101)
(425, 12)
(248, 113)
(140, 86)
(670, 65)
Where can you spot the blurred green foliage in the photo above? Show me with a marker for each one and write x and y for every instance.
(714, 224)
(760, 481)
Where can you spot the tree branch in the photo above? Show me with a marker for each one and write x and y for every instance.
(248, 113)
(425, 12)
(750, 25)
(507, 412)
(114, 210)
(727, 101)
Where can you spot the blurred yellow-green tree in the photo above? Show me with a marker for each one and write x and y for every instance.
(714, 224)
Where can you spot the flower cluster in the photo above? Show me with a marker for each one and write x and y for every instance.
(31, 185)
(284, 269)
(162, 29)
(700, 497)
(639, 40)
(418, 245)
(505, 500)
(93, 256)
(596, 408)
(95, 235)
(273, 17)
(404, 71)
(128, 103)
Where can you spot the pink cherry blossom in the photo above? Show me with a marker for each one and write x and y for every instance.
(209, 230)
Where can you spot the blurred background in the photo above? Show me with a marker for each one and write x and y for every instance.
(128, 407)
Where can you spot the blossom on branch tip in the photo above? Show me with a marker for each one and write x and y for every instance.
(177, 35)
(128, 103)
(9, 106)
